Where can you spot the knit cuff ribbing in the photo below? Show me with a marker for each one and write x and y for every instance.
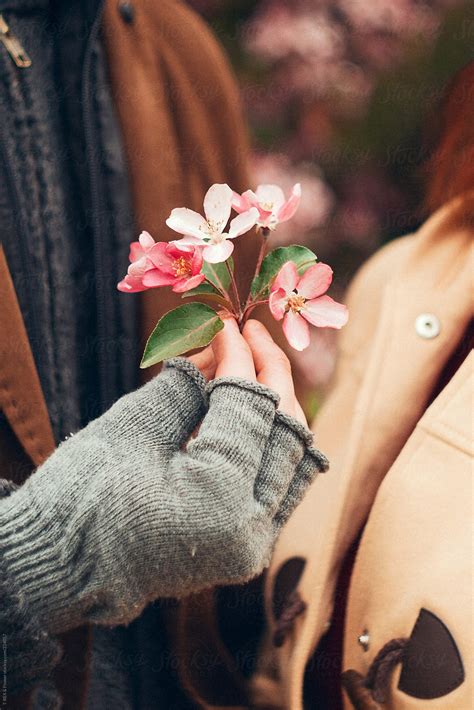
(315, 458)
(301, 431)
(310, 465)
(188, 368)
(36, 553)
(30, 653)
(312, 455)
(241, 383)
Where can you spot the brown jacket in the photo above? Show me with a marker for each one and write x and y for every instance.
(400, 471)
(170, 82)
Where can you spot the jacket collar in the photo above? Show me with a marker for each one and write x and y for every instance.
(434, 278)
(21, 396)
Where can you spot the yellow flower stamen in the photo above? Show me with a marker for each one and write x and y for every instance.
(182, 267)
(212, 231)
(295, 303)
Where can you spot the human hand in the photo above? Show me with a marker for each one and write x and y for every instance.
(205, 361)
(228, 356)
(273, 367)
(252, 355)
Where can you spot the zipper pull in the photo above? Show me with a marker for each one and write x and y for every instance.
(13, 46)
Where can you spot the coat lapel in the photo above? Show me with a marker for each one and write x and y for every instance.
(21, 397)
(434, 277)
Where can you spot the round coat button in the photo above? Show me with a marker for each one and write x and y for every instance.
(127, 12)
(364, 640)
(427, 326)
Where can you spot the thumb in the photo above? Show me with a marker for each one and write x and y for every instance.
(205, 361)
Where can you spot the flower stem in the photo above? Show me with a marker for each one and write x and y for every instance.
(261, 253)
(235, 291)
(249, 308)
(264, 234)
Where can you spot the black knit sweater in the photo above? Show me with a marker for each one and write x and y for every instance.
(56, 150)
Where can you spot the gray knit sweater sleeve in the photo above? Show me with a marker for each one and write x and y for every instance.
(124, 511)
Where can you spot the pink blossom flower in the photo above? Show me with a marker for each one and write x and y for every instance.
(133, 281)
(300, 300)
(317, 200)
(172, 266)
(270, 202)
(209, 232)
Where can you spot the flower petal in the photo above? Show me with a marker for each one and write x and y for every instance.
(265, 217)
(136, 252)
(188, 244)
(196, 261)
(277, 303)
(217, 253)
(270, 195)
(161, 258)
(130, 284)
(242, 203)
(287, 278)
(187, 284)
(324, 312)
(288, 209)
(138, 268)
(189, 222)
(243, 222)
(156, 278)
(217, 205)
(296, 330)
(175, 250)
(146, 241)
(315, 281)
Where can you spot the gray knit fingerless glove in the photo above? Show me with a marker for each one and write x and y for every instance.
(121, 514)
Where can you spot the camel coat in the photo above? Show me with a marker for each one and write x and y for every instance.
(402, 473)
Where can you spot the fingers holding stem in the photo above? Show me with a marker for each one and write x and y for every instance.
(272, 367)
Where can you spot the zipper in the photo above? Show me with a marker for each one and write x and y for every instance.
(13, 45)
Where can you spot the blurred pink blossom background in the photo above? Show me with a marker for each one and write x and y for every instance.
(340, 96)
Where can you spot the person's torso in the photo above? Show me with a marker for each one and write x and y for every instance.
(65, 216)
(409, 315)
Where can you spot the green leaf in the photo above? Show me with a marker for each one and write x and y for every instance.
(272, 263)
(218, 274)
(207, 292)
(184, 328)
(201, 290)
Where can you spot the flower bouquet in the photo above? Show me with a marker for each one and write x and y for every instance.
(199, 265)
